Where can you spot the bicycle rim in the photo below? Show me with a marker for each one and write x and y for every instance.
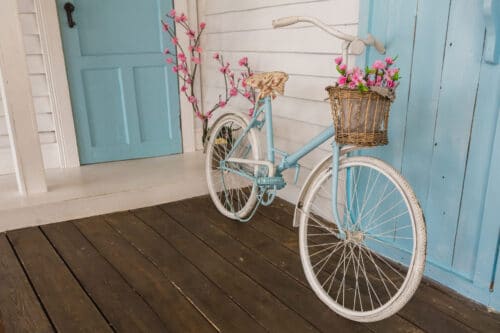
(370, 269)
(233, 194)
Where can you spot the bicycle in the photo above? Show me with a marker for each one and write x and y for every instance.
(362, 233)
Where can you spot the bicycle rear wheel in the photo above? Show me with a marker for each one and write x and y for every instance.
(234, 195)
(368, 266)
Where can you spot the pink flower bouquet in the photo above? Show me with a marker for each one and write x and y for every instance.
(380, 76)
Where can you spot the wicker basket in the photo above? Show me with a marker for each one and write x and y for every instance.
(360, 118)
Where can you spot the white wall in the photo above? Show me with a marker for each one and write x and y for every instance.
(41, 98)
(243, 28)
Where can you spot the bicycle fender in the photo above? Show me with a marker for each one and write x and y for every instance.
(240, 115)
(321, 166)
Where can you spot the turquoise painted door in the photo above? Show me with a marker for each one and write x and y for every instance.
(444, 134)
(125, 100)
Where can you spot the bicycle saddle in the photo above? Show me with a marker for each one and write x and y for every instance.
(268, 83)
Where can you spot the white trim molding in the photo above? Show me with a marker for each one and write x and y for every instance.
(186, 110)
(50, 36)
(18, 104)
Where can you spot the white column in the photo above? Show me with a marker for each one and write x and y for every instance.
(18, 103)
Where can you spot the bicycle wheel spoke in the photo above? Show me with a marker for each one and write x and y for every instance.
(232, 192)
(367, 263)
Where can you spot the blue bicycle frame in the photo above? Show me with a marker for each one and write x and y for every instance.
(288, 160)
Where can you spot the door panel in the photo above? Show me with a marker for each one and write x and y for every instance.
(103, 90)
(110, 27)
(125, 101)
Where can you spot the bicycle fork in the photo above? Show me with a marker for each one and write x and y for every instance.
(335, 181)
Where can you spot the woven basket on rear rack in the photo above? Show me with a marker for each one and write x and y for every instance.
(360, 118)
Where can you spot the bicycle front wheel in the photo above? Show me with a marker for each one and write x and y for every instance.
(369, 264)
(233, 194)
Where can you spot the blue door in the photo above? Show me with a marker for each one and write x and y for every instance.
(125, 100)
(445, 132)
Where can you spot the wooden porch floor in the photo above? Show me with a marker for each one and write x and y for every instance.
(182, 267)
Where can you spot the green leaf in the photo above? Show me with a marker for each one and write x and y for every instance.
(362, 88)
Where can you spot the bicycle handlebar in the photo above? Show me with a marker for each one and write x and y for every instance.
(369, 40)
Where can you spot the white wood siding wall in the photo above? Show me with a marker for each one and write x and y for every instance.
(243, 28)
(41, 98)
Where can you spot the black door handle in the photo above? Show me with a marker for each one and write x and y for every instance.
(69, 8)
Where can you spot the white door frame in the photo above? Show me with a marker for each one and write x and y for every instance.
(50, 36)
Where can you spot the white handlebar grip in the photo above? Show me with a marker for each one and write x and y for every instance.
(284, 21)
(377, 44)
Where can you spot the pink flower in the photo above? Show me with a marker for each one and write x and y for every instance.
(243, 61)
(338, 60)
(192, 99)
(182, 57)
(196, 60)
(199, 115)
(166, 51)
(181, 18)
(169, 60)
(233, 92)
(244, 83)
(175, 69)
(190, 48)
(172, 13)
(343, 67)
(183, 88)
(199, 49)
(224, 69)
(250, 112)
(389, 61)
(342, 80)
(378, 64)
(357, 74)
(189, 81)
(390, 84)
(352, 85)
(175, 40)
(202, 25)
(247, 94)
(216, 56)
(222, 104)
(165, 26)
(190, 33)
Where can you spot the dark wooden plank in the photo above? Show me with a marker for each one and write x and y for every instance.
(2, 326)
(466, 311)
(176, 312)
(125, 310)
(260, 303)
(67, 304)
(21, 311)
(278, 255)
(211, 300)
(426, 310)
(295, 295)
